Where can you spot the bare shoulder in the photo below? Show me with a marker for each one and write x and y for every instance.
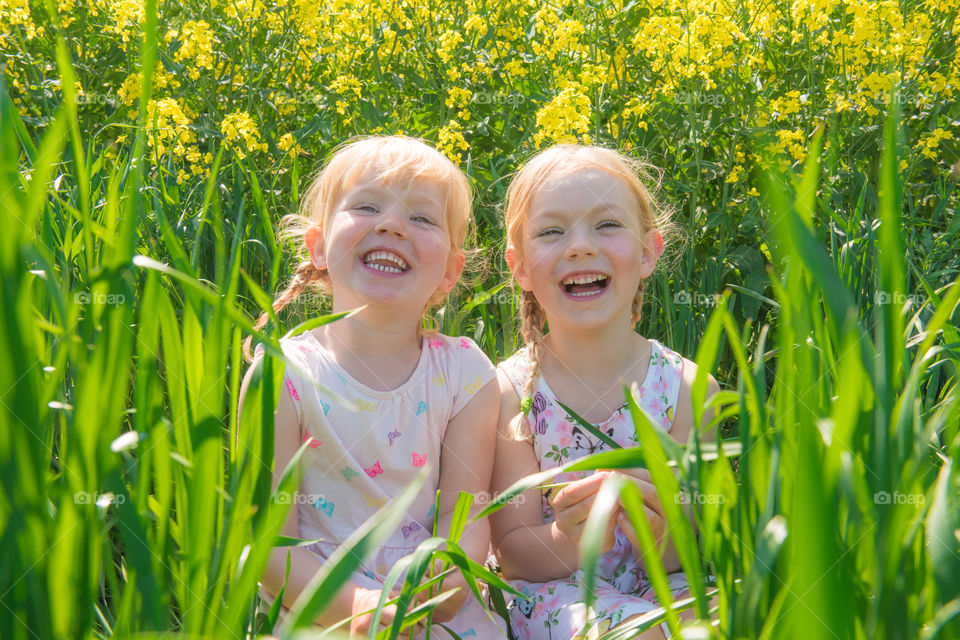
(683, 419)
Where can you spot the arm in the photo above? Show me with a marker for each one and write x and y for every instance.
(304, 565)
(466, 460)
(526, 547)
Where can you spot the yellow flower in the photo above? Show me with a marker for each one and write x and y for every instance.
(125, 13)
(451, 141)
(240, 132)
(458, 97)
(449, 41)
(566, 118)
(196, 46)
(287, 142)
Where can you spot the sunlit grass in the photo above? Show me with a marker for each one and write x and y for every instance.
(136, 501)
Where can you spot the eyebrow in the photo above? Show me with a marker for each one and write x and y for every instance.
(414, 199)
(597, 208)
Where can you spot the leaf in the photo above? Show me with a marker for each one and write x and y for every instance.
(610, 442)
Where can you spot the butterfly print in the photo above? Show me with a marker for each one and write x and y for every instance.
(366, 406)
(536, 410)
(439, 380)
(407, 529)
(393, 435)
(582, 442)
(421, 407)
(293, 392)
(464, 343)
(435, 344)
(473, 386)
(323, 505)
(419, 460)
(349, 473)
(375, 470)
(375, 502)
(313, 442)
(526, 606)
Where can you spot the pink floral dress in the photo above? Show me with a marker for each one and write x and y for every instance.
(555, 610)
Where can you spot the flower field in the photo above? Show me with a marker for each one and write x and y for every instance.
(810, 153)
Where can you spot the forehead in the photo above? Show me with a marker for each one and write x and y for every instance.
(412, 189)
(581, 192)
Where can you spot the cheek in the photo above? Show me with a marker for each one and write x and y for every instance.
(626, 249)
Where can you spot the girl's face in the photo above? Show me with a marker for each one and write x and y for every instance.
(583, 252)
(387, 245)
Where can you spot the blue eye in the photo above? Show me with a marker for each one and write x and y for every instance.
(423, 219)
(367, 208)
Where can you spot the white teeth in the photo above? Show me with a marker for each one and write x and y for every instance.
(388, 256)
(584, 279)
(379, 267)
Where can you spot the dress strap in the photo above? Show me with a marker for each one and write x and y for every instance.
(660, 390)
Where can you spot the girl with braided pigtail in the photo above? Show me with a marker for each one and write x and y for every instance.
(583, 234)
(374, 401)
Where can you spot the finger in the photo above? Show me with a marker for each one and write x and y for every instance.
(648, 492)
(574, 513)
(579, 489)
(640, 474)
(627, 527)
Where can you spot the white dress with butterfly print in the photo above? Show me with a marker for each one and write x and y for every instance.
(554, 610)
(358, 460)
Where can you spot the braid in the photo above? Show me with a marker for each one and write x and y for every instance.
(635, 310)
(305, 274)
(532, 320)
(531, 328)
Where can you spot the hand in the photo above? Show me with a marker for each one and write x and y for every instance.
(652, 509)
(364, 600)
(571, 506)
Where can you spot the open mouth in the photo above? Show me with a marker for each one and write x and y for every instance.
(586, 284)
(385, 261)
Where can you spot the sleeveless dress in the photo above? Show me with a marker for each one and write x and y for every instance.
(555, 610)
(358, 459)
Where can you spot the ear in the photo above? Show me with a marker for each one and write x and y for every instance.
(652, 250)
(452, 274)
(518, 268)
(314, 241)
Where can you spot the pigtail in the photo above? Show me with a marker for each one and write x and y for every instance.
(303, 277)
(532, 320)
(636, 311)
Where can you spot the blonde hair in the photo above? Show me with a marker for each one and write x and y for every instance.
(557, 162)
(391, 159)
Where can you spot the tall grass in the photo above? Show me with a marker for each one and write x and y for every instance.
(136, 501)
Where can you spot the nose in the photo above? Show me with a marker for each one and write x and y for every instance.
(580, 244)
(391, 221)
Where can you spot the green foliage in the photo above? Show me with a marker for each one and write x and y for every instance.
(136, 497)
